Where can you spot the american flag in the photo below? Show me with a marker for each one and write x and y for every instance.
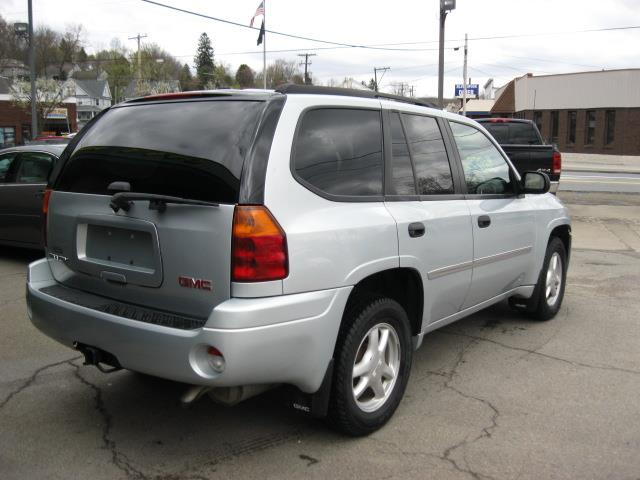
(259, 11)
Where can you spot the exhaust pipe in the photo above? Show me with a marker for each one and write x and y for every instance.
(228, 396)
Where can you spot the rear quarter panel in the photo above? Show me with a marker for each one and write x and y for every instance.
(331, 244)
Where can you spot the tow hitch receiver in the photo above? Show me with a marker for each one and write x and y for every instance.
(98, 357)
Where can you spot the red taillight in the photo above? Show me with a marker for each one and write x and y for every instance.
(259, 246)
(557, 163)
(45, 210)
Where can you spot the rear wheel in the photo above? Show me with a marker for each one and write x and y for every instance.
(372, 366)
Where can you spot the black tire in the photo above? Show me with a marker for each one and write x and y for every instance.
(344, 412)
(539, 305)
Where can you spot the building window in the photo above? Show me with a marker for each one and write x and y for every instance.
(554, 126)
(609, 127)
(7, 137)
(26, 133)
(97, 102)
(572, 117)
(537, 119)
(590, 127)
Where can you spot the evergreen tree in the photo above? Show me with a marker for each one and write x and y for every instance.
(186, 79)
(204, 61)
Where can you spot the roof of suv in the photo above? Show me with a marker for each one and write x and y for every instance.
(286, 89)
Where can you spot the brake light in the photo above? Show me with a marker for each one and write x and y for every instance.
(557, 163)
(46, 195)
(258, 246)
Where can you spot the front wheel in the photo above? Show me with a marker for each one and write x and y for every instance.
(549, 291)
(372, 366)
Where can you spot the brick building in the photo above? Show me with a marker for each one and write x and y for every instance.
(15, 122)
(586, 112)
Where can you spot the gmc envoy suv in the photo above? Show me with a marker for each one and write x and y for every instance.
(307, 236)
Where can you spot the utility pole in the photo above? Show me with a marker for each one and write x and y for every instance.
(306, 63)
(32, 69)
(139, 37)
(464, 79)
(445, 7)
(375, 74)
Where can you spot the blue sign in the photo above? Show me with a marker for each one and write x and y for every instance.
(473, 90)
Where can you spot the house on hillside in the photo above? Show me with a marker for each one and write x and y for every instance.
(91, 97)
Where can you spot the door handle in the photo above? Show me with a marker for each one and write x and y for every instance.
(416, 229)
(484, 221)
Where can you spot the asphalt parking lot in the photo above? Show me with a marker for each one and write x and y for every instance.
(492, 396)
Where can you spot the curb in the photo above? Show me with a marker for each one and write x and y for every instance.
(600, 170)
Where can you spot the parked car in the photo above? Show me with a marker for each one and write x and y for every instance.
(50, 140)
(24, 172)
(309, 236)
(522, 142)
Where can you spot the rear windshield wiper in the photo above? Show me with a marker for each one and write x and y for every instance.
(124, 200)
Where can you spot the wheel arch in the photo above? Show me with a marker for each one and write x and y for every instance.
(404, 285)
(563, 232)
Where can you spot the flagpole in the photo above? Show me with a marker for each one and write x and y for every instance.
(264, 45)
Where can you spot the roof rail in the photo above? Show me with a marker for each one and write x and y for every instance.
(290, 88)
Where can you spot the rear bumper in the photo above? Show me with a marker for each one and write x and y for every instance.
(554, 186)
(284, 339)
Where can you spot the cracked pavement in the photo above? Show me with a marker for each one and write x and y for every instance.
(494, 396)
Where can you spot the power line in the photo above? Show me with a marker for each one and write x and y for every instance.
(290, 35)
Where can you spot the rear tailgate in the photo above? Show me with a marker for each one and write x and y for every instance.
(175, 259)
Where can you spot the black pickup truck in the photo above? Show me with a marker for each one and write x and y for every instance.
(522, 142)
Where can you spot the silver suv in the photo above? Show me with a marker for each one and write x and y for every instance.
(306, 236)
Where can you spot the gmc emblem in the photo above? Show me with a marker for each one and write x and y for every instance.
(199, 283)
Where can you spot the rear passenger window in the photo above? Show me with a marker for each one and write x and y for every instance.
(401, 170)
(485, 170)
(429, 155)
(339, 151)
(34, 168)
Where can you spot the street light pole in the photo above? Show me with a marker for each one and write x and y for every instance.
(32, 69)
(464, 79)
(445, 7)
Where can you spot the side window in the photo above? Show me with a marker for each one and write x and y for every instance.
(6, 161)
(34, 168)
(401, 170)
(430, 160)
(485, 170)
(339, 151)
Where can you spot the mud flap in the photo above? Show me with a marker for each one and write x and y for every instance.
(314, 404)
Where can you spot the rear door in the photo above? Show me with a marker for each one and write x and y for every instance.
(21, 198)
(434, 229)
(503, 222)
(171, 257)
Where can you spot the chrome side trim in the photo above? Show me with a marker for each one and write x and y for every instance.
(460, 267)
(441, 272)
(501, 256)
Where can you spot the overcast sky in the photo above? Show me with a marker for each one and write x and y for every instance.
(546, 43)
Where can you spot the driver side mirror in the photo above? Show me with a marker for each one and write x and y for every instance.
(535, 182)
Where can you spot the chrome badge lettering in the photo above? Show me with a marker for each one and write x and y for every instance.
(60, 258)
(198, 283)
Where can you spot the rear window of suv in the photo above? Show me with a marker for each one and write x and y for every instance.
(193, 150)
